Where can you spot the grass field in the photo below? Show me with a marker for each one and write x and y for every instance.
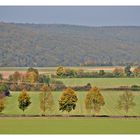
(110, 107)
(68, 126)
(101, 82)
(43, 125)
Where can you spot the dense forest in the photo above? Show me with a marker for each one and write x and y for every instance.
(68, 45)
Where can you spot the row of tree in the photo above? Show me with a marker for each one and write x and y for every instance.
(30, 80)
(94, 100)
(31, 76)
(117, 72)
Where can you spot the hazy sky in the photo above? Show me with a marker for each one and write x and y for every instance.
(92, 16)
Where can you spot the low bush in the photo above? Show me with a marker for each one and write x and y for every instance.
(135, 87)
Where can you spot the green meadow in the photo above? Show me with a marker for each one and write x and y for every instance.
(110, 107)
(69, 126)
(66, 125)
(101, 82)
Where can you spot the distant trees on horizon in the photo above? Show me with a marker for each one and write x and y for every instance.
(63, 72)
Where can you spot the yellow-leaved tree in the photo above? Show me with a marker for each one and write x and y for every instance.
(126, 101)
(46, 100)
(60, 71)
(68, 100)
(24, 100)
(94, 100)
(2, 102)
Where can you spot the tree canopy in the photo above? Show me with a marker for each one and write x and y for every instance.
(94, 100)
(126, 101)
(24, 100)
(68, 100)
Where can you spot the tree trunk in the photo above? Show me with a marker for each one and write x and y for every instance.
(23, 112)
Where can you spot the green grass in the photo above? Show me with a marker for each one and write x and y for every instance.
(68, 126)
(74, 125)
(109, 108)
(101, 82)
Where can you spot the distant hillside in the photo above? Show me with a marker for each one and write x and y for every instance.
(68, 45)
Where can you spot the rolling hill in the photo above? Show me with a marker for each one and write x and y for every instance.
(68, 45)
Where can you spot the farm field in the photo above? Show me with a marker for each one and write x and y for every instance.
(109, 108)
(69, 69)
(69, 126)
(101, 82)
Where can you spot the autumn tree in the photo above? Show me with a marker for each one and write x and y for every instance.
(136, 71)
(16, 76)
(32, 75)
(4, 91)
(2, 102)
(68, 100)
(50, 104)
(24, 100)
(126, 101)
(46, 100)
(33, 70)
(118, 72)
(60, 71)
(94, 100)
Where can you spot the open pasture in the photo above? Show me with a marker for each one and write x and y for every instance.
(69, 126)
(66, 125)
(101, 82)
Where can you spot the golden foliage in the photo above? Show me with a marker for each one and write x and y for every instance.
(2, 103)
(31, 77)
(46, 99)
(136, 71)
(60, 71)
(94, 100)
(68, 100)
(24, 100)
(118, 71)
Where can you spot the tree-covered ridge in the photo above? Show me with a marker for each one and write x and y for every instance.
(67, 45)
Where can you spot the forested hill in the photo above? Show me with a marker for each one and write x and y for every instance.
(67, 45)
